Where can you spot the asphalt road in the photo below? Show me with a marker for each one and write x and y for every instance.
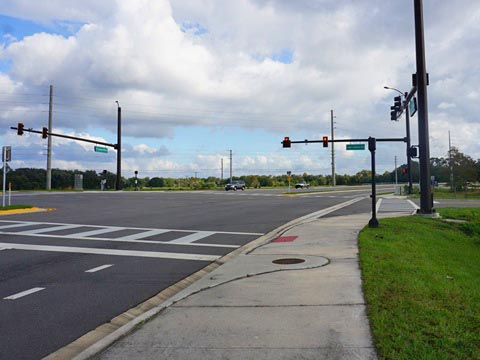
(65, 272)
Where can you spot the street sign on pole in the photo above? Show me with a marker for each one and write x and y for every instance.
(355, 146)
(412, 106)
(101, 149)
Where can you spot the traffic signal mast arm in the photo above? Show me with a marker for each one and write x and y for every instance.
(43, 132)
(404, 139)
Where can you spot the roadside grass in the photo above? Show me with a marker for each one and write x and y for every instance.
(15, 207)
(442, 193)
(421, 280)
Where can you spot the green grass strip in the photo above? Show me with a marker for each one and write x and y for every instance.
(421, 281)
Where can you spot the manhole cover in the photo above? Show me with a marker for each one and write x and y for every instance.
(288, 261)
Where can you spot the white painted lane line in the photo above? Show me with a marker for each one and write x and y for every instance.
(97, 232)
(23, 293)
(191, 238)
(3, 248)
(143, 235)
(80, 250)
(44, 230)
(99, 268)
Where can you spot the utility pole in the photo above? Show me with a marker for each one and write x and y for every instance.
(426, 198)
(230, 166)
(333, 148)
(221, 174)
(450, 161)
(119, 147)
(396, 175)
(49, 141)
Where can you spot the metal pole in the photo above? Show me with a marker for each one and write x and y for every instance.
(396, 175)
(409, 158)
(4, 156)
(230, 166)
(426, 198)
(333, 148)
(450, 160)
(221, 162)
(49, 141)
(373, 223)
(119, 147)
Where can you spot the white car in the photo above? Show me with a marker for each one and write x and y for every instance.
(301, 185)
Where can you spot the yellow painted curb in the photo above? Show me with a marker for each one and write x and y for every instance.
(24, 211)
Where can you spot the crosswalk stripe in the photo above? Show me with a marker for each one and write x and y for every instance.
(191, 238)
(49, 229)
(16, 225)
(97, 232)
(143, 235)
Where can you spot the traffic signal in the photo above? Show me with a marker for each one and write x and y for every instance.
(20, 128)
(404, 170)
(393, 113)
(325, 141)
(44, 132)
(286, 142)
(397, 102)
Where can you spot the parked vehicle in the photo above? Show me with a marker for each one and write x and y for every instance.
(235, 185)
(301, 185)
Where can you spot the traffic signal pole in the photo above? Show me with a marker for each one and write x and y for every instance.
(373, 223)
(426, 198)
(119, 147)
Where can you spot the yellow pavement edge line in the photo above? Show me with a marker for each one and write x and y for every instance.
(24, 211)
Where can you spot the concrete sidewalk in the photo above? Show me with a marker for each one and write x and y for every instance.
(297, 297)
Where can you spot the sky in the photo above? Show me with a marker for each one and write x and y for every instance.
(196, 79)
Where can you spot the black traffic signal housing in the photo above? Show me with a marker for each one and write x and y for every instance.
(20, 127)
(325, 141)
(404, 170)
(397, 102)
(44, 132)
(286, 142)
(393, 113)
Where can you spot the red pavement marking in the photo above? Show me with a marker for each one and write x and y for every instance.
(285, 239)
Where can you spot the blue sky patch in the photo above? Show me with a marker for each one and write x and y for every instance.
(195, 28)
(285, 56)
(18, 28)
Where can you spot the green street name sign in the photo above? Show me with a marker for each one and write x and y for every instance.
(101, 149)
(355, 146)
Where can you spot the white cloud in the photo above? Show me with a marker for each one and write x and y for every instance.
(184, 63)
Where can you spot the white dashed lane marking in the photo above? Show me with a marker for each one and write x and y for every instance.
(23, 293)
(99, 268)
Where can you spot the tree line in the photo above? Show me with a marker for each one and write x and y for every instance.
(460, 168)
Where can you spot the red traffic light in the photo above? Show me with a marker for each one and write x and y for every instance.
(286, 142)
(325, 141)
(44, 132)
(20, 128)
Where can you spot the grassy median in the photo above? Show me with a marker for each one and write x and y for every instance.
(421, 281)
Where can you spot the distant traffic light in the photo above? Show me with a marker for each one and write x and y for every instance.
(397, 102)
(20, 128)
(325, 141)
(44, 132)
(404, 170)
(286, 142)
(393, 113)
